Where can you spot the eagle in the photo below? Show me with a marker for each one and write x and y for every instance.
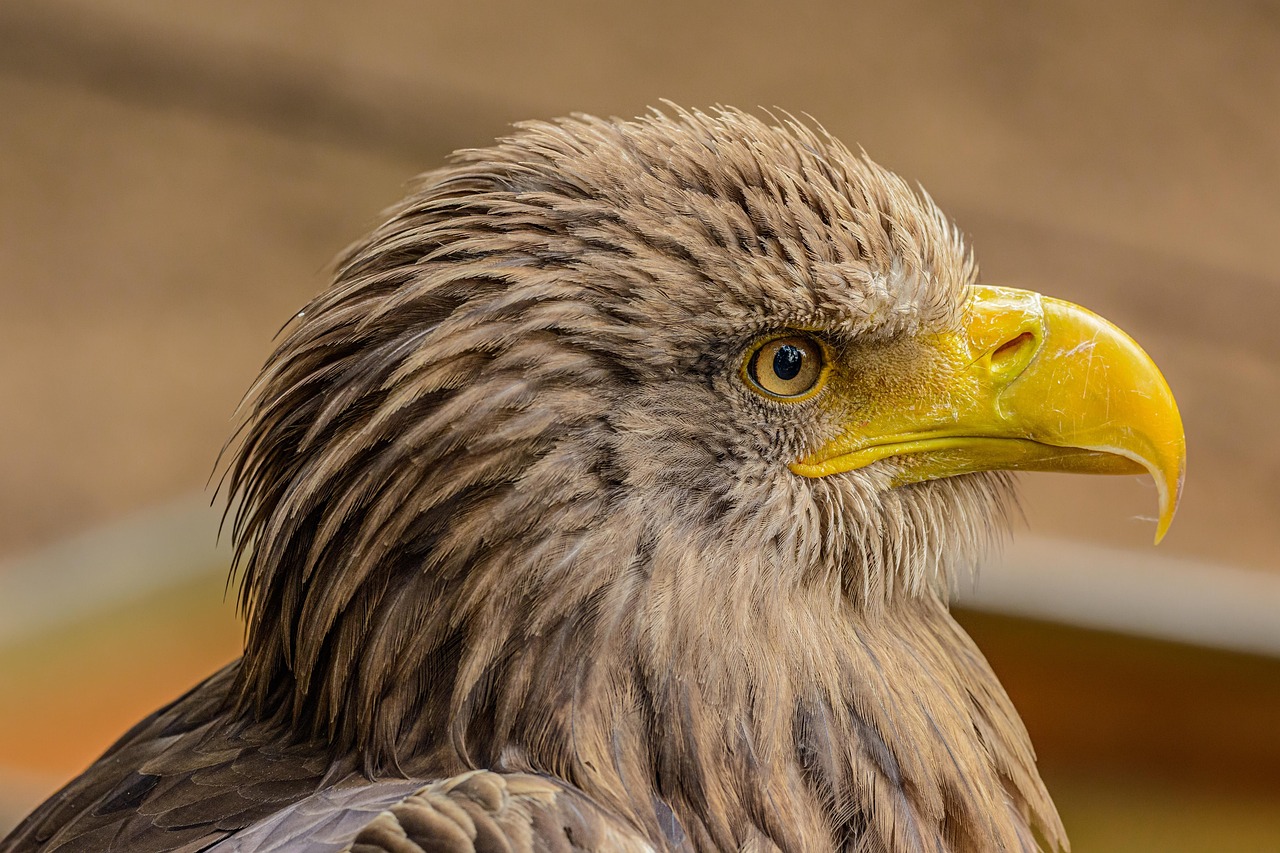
(610, 499)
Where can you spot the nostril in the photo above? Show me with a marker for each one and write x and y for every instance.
(1012, 351)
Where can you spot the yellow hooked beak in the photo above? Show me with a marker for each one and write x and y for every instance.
(1029, 383)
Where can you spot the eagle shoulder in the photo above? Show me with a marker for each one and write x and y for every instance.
(475, 812)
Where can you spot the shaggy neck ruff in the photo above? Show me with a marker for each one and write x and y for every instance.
(711, 689)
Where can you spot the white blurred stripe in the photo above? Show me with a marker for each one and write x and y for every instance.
(1132, 592)
(110, 565)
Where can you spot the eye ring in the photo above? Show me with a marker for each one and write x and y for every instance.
(788, 368)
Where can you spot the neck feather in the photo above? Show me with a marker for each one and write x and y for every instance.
(721, 717)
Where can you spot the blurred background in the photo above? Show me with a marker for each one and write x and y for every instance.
(175, 177)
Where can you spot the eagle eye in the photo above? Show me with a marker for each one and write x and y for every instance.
(790, 367)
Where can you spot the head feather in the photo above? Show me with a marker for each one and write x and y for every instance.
(502, 503)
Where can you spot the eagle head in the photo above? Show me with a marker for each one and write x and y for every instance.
(639, 453)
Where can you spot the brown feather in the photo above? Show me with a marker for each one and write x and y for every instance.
(505, 505)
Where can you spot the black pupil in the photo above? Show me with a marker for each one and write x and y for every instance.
(787, 361)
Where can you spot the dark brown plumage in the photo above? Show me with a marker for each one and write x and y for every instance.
(508, 504)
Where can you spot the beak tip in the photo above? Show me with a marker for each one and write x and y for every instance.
(1161, 529)
(1169, 499)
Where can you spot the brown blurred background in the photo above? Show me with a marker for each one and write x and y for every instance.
(175, 177)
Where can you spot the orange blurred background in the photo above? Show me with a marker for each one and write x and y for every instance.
(175, 177)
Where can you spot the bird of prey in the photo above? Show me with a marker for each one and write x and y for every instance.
(609, 500)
